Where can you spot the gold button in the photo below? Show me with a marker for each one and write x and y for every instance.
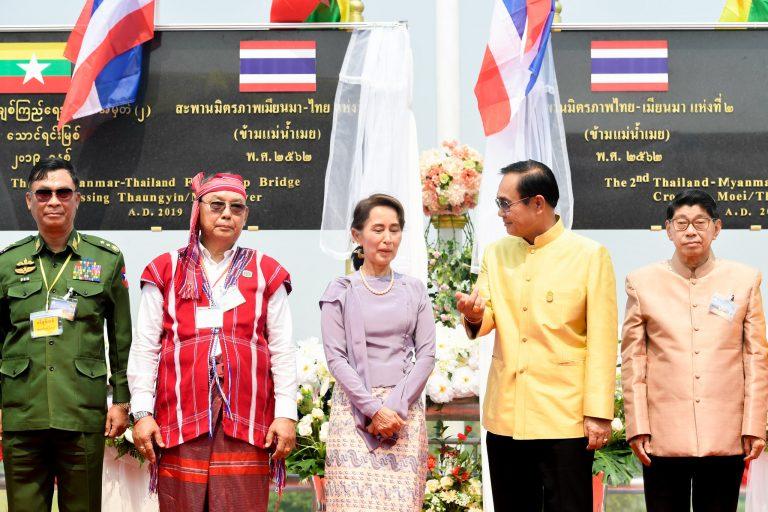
(533, 251)
(525, 308)
(522, 371)
(527, 278)
(693, 281)
(695, 305)
(696, 352)
(525, 339)
(698, 400)
(698, 376)
(695, 328)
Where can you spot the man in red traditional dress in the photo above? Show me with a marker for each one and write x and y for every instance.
(212, 371)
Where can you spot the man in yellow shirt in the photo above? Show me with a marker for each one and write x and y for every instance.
(551, 296)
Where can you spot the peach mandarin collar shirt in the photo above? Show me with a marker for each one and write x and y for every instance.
(695, 381)
(553, 306)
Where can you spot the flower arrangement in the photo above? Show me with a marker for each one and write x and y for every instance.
(456, 373)
(449, 272)
(616, 459)
(313, 400)
(454, 475)
(125, 446)
(450, 178)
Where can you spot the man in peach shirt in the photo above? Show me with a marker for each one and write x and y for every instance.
(694, 367)
(550, 295)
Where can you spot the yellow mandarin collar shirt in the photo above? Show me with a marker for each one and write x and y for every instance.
(553, 306)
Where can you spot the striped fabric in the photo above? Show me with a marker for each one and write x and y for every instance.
(218, 473)
(182, 402)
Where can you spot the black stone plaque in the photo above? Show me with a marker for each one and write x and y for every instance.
(630, 152)
(135, 162)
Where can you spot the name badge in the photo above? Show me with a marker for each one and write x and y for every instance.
(723, 306)
(232, 298)
(209, 318)
(68, 307)
(46, 323)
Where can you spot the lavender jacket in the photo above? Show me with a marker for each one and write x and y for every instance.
(347, 352)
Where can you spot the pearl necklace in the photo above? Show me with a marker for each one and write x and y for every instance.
(385, 290)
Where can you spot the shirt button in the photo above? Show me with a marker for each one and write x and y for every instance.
(527, 278)
(698, 376)
(698, 400)
(522, 371)
(695, 328)
(525, 308)
(50, 368)
(694, 305)
(533, 251)
(693, 281)
(695, 351)
(525, 339)
(50, 342)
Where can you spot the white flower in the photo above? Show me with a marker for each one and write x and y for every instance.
(306, 371)
(432, 486)
(616, 425)
(465, 382)
(318, 413)
(439, 388)
(476, 486)
(324, 432)
(304, 427)
(446, 482)
(129, 435)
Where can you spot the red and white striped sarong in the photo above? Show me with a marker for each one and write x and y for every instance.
(218, 473)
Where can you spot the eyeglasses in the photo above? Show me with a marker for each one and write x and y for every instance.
(45, 194)
(505, 205)
(699, 224)
(237, 209)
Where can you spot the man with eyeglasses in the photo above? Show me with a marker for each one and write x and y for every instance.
(694, 367)
(58, 289)
(551, 297)
(213, 369)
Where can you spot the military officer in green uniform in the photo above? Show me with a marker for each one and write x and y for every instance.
(58, 290)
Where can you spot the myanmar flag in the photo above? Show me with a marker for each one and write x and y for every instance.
(745, 10)
(34, 68)
(309, 11)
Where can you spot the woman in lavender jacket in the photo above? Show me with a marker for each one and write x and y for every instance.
(379, 339)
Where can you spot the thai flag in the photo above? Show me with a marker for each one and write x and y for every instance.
(518, 38)
(630, 66)
(105, 47)
(278, 66)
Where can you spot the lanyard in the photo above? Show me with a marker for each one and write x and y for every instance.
(48, 287)
(225, 272)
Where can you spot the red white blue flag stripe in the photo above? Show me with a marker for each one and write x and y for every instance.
(105, 46)
(517, 42)
(278, 66)
(619, 66)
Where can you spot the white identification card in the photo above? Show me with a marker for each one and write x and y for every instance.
(723, 306)
(232, 298)
(209, 318)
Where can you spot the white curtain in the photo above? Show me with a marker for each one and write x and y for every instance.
(535, 132)
(125, 484)
(757, 485)
(373, 146)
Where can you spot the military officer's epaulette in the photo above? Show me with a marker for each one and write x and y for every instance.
(100, 242)
(18, 243)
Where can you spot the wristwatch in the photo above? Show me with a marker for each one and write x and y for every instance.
(140, 414)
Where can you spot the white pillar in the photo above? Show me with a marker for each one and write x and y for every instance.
(447, 68)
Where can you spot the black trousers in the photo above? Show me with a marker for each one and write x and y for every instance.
(550, 474)
(712, 481)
